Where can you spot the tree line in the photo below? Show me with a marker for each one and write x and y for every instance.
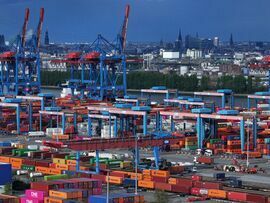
(141, 79)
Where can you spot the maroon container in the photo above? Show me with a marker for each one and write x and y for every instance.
(43, 163)
(237, 196)
(36, 155)
(181, 189)
(160, 179)
(6, 150)
(163, 186)
(59, 156)
(29, 162)
(46, 155)
(252, 198)
(211, 185)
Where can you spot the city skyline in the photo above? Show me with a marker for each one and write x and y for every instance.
(150, 20)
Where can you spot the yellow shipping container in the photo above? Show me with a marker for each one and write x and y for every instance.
(59, 161)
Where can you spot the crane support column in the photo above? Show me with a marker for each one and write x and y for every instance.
(145, 124)
(77, 161)
(242, 134)
(18, 119)
(89, 127)
(254, 128)
(97, 162)
(156, 155)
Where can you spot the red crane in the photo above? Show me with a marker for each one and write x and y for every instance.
(124, 28)
(26, 18)
(39, 28)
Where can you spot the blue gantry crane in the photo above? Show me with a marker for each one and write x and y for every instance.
(100, 73)
(20, 67)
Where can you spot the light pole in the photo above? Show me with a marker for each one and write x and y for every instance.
(108, 186)
(248, 144)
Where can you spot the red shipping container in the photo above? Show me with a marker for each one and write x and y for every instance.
(99, 177)
(182, 189)
(252, 198)
(237, 196)
(197, 184)
(163, 186)
(29, 162)
(117, 174)
(196, 178)
(195, 191)
(160, 179)
(184, 182)
(211, 185)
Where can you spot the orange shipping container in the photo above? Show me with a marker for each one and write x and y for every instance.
(71, 162)
(160, 173)
(220, 194)
(114, 179)
(139, 176)
(4, 159)
(53, 200)
(53, 171)
(16, 160)
(61, 166)
(146, 172)
(146, 184)
(62, 194)
(44, 170)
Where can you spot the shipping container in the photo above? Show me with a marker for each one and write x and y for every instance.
(220, 194)
(237, 196)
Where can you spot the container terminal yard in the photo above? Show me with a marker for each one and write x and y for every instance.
(97, 143)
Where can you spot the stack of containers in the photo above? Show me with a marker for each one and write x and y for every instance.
(266, 150)
(234, 144)
(33, 196)
(191, 143)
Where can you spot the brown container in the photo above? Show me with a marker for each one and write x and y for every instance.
(252, 198)
(163, 186)
(160, 179)
(42, 163)
(181, 189)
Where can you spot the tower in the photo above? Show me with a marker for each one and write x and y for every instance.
(46, 40)
(231, 40)
(178, 42)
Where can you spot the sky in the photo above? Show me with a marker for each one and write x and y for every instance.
(150, 20)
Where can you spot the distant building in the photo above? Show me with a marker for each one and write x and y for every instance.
(231, 40)
(178, 42)
(216, 41)
(171, 55)
(194, 53)
(2, 40)
(46, 40)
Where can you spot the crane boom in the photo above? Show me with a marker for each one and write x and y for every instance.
(26, 17)
(124, 28)
(39, 28)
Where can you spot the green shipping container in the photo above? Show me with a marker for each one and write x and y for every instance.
(213, 141)
(28, 168)
(191, 147)
(55, 177)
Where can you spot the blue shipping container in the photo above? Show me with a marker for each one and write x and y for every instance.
(5, 173)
